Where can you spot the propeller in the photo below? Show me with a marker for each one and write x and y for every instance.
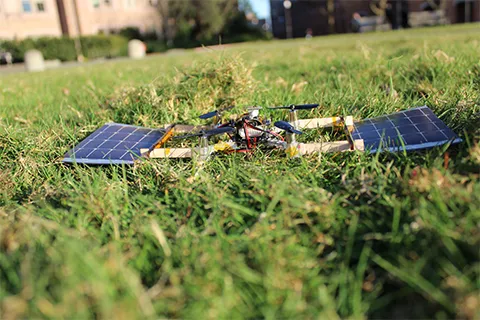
(209, 115)
(287, 127)
(217, 113)
(293, 107)
(208, 133)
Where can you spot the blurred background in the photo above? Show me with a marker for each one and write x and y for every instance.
(71, 30)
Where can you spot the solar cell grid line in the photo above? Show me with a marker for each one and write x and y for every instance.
(110, 139)
(412, 129)
(103, 143)
(122, 154)
(91, 143)
(409, 119)
(422, 118)
(114, 143)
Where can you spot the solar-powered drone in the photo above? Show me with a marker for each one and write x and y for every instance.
(114, 143)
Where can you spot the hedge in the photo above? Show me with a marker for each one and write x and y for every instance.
(64, 48)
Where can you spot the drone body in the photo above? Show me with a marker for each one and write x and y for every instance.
(250, 132)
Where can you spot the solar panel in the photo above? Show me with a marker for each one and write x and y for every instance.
(412, 129)
(114, 143)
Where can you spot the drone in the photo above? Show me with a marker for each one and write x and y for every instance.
(250, 132)
(406, 130)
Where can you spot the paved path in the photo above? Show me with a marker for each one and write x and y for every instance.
(20, 67)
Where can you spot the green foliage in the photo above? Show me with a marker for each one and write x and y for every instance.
(64, 48)
(348, 235)
(239, 29)
(206, 18)
(245, 6)
(150, 39)
(156, 46)
(130, 33)
(51, 48)
(103, 46)
(211, 17)
(134, 33)
(17, 48)
(56, 48)
(209, 22)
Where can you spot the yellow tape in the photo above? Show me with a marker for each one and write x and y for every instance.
(222, 146)
(292, 151)
(337, 121)
(168, 135)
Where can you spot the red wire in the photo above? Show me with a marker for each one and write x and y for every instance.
(270, 132)
(276, 135)
(246, 134)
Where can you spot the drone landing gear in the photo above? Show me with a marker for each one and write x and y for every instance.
(202, 152)
(334, 146)
(295, 149)
(185, 128)
(167, 153)
(324, 123)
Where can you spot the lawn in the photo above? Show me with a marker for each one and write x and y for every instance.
(331, 236)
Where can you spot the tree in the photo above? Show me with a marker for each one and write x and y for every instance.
(245, 6)
(211, 16)
(195, 19)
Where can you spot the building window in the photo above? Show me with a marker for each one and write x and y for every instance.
(96, 3)
(27, 7)
(40, 6)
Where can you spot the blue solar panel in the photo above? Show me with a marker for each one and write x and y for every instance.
(412, 129)
(114, 143)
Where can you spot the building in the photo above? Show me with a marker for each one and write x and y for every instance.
(296, 18)
(86, 17)
(21, 19)
(34, 18)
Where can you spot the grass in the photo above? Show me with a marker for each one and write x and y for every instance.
(332, 236)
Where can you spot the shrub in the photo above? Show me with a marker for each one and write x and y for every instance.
(156, 46)
(119, 46)
(17, 48)
(64, 48)
(56, 48)
(130, 33)
(103, 46)
(135, 33)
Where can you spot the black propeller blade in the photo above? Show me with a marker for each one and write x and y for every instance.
(296, 107)
(217, 131)
(212, 114)
(287, 127)
(209, 115)
(208, 133)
